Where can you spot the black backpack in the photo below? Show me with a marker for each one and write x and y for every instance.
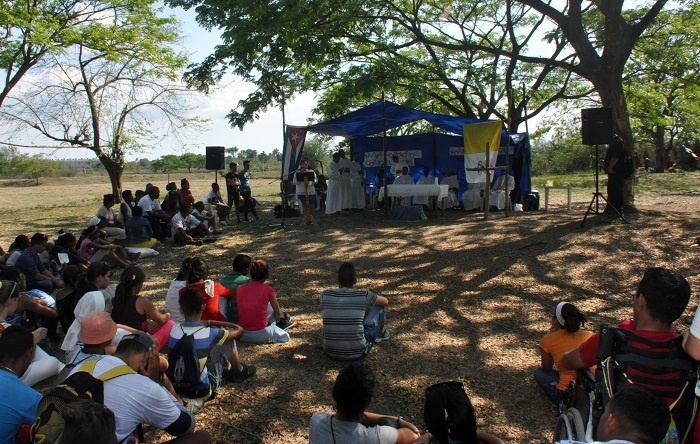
(184, 370)
(81, 385)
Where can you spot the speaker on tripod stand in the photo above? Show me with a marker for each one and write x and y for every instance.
(597, 129)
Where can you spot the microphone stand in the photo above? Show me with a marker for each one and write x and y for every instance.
(283, 197)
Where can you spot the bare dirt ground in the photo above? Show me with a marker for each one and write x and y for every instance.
(469, 300)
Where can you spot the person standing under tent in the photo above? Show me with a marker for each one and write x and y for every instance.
(345, 181)
(333, 198)
(397, 165)
(357, 190)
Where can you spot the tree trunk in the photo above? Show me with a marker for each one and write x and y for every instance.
(114, 170)
(659, 150)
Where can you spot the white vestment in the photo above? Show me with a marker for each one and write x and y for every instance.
(424, 200)
(333, 203)
(345, 184)
(452, 182)
(403, 180)
(357, 191)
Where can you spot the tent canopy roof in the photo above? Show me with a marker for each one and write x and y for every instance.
(369, 120)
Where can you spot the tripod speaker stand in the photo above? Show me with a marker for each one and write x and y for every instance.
(598, 195)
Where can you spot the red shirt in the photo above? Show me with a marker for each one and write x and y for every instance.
(589, 349)
(186, 196)
(252, 299)
(211, 301)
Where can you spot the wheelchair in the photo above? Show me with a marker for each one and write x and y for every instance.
(626, 358)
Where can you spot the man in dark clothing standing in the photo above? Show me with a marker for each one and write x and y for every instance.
(233, 182)
(615, 166)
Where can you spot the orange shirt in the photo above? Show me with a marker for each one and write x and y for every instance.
(559, 342)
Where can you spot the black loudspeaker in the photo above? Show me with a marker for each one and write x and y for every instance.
(216, 158)
(596, 126)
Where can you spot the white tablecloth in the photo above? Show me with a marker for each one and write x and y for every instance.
(418, 190)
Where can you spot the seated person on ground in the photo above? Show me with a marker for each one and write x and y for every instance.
(634, 415)
(66, 244)
(185, 228)
(172, 297)
(216, 201)
(94, 249)
(88, 421)
(353, 319)
(450, 417)
(208, 220)
(14, 304)
(113, 228)
(20, 244)
(139, 233)
(171, 203)
(185, 193)
(197, 272)
(239, 276)
(136, 311)
(28, 262)
(564, 334)
(215, 345)
(18, 401)
(152, 211)
(352, 424)
(125, 207)
(252, 299)
(138, 397)
(661, 298)
(403, 179)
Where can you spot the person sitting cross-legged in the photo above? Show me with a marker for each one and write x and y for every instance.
(215, 345)
(186, 228)
(352, 424)
(137, 397)
(353, 319)
(253, 299)
(139, 233)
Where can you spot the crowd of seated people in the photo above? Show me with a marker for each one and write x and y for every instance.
(115, 324)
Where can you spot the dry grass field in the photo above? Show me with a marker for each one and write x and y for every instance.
(469, 299)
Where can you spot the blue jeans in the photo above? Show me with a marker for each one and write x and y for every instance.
(548, 380)
(374, 322)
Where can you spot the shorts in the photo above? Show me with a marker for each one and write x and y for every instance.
(302, 199)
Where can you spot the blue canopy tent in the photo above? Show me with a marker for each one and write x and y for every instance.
(437, 151)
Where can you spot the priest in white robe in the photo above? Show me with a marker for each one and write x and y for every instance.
(403, 179)
(427, 179)
(453, 184)
(345, 181)
(333, 197)
(357, 191)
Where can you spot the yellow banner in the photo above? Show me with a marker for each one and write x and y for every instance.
(477, 135)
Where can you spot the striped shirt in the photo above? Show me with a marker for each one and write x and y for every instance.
(343, 311)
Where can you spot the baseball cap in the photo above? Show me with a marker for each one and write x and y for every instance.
(142, 338)
(97, 328)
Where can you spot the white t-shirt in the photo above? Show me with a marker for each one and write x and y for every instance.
(214, 196)
(403, 180)
(149, 204)
(348, 432)
(178, 221)
(135, 399)
(106, 213)
(172, 300)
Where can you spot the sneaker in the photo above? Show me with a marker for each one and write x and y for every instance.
(383, 336)
(248, 371)
(193, 405)
(286, 322)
